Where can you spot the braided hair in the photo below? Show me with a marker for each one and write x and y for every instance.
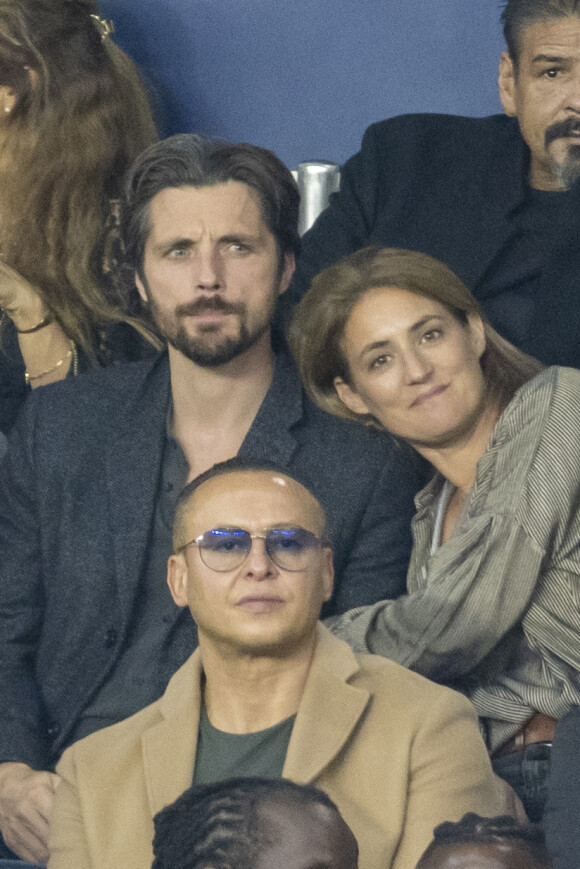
(502, 830)
(220, 824)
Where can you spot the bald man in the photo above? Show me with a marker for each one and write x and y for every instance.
(270, 692)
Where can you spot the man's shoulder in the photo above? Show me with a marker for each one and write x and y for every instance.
(119, 742)
(390, 685)
(445, 128)
(112, 380)
(361, 456)
(96, 398)
(444, 143)
(116, 741)
(288, 407)
(396, 687)
(345, 433)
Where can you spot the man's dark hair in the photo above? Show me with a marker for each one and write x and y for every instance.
(229, 466)
(220, 825)
(517, 14)
(191, 160)
(503, 829)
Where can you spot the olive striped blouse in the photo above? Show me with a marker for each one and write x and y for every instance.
(495, 610)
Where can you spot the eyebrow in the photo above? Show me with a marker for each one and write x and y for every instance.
(168, 244)
(550, 58)
(416, 327)
(188, 243)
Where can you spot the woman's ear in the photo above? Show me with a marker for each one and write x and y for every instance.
(7, 99)
(477, 331)
(349, 397)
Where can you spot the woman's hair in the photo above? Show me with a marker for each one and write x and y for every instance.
(317, 328)
(80, 117)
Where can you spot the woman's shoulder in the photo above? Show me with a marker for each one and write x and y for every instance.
(552, 392)
(551, 396)
(537, 430)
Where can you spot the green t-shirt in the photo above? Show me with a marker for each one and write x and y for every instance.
(223, 755)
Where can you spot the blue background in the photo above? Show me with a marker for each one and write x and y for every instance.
(306, 77)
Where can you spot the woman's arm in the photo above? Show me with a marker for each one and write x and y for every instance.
(46, 350)
(479, 586)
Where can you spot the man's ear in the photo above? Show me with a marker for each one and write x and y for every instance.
(141, 289)
(507, 84)
(327, 572)
(288, 268)
(177, 578)
(349, 397)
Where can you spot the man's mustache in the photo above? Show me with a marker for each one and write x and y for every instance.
(208, 303)
(562, 129)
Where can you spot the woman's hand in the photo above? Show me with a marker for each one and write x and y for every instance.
(19, 300)
(48, 352)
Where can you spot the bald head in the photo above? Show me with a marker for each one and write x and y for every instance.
(228, 478)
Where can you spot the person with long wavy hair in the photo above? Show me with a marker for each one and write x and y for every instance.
(74, 114)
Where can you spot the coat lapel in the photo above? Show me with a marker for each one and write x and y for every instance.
(495, 196)
(464, 221)
(270, 437)
(169, 747)
(132, 469)
(329, 711)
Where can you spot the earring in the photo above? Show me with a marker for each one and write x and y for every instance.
(7, 109)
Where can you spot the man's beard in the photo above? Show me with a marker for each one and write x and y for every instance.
(208, 348)
(566, 173)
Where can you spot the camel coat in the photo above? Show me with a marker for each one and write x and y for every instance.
(397, 753)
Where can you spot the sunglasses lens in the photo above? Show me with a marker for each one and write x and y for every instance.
(290, 548)
(224, 549)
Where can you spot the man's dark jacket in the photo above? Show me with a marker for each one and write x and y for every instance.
(446, 186)
(77, 494)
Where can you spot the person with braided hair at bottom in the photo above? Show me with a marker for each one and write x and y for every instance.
(74, 114)
(486, 843)
(253, 823)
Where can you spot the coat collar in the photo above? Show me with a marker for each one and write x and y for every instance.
(270, 437)
(169, 747)
(133, 462)
(329, 711)
(496, 195)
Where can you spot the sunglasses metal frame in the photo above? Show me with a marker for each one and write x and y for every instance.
(316, 543)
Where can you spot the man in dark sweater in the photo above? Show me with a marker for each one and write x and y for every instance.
(497, 199)
(88, 631)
